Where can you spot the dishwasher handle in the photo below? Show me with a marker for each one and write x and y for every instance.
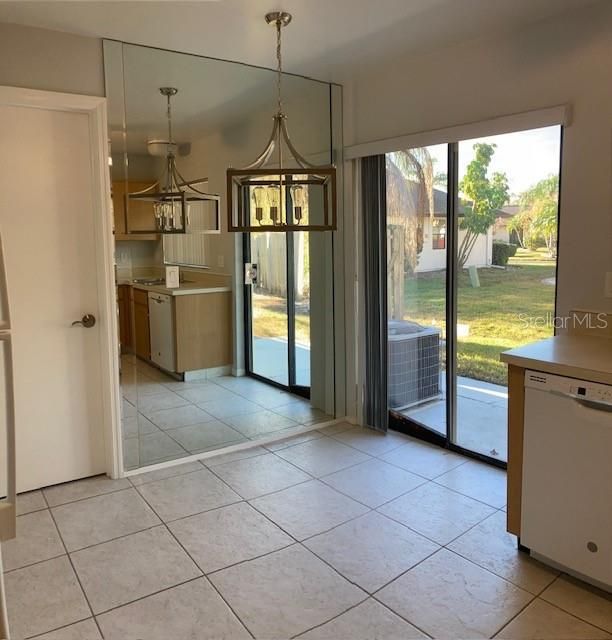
(595, 405)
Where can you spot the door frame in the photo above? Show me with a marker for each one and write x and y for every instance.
(95, 110)
(304, 392)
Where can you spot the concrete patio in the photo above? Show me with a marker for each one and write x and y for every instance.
(481, 416)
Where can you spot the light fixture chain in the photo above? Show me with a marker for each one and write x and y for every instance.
(280, 64)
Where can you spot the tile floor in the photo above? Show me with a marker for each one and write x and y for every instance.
(340, 533)
(164, 419)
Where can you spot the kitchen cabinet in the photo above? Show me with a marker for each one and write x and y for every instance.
(125, 317)
(132, 218)
(203, 328)
(142, 339)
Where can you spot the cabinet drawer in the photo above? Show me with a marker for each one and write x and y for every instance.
(141, 297)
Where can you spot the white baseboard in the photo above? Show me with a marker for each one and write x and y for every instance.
(207, 374)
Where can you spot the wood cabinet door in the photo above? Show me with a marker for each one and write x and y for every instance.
(118, 196)
(142, 340)
(125, 319)
(140, 216)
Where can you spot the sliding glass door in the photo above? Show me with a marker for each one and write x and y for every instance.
(277, 309)
(471, 266)
(417, 225)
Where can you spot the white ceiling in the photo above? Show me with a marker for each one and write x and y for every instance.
(328, 39)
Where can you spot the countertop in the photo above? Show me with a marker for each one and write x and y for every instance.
(584, 357)
(185, 289)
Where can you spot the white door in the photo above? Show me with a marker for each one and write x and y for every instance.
(48, 228)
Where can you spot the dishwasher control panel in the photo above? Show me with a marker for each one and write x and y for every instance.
(593, 391)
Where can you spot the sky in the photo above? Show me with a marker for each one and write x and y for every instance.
(524, 156)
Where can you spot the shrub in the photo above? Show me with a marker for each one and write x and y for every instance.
(502, 252)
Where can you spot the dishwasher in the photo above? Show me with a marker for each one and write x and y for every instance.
(566, 513)
(161, 328)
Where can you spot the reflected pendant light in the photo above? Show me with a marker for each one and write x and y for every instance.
(266, 195)
(174, 199)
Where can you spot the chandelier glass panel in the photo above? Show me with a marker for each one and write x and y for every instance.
(266, 195)
(179, 205)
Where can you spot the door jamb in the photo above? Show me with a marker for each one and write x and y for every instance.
(95, 110)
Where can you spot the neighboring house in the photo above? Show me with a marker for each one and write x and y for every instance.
(433, 254)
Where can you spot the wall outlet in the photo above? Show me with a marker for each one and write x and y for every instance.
(221, 261)
(608, 285)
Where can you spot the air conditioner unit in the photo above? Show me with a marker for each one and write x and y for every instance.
(414, 364)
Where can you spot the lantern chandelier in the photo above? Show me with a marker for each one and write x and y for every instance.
(172, 195)
(265, 195)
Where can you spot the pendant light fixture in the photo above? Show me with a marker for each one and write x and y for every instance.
(178, 205)
(266, 195)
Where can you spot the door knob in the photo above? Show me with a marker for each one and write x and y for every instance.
(87, 321)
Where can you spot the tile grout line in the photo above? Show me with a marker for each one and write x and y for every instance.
(74, 571)
(178, 542)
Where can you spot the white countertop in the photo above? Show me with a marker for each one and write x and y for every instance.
(185, 289)
(584, 357)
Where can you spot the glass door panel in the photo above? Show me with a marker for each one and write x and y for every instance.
(417, 224)
(301, 305)
(506, 265)
(268, 308)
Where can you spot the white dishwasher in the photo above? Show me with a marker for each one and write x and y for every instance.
(566, 513)
(161, 327)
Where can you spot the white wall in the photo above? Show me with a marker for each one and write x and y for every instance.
(50, 60)
(565, 60)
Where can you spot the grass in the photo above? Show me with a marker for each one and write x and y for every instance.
(270, 319)
(494, 313)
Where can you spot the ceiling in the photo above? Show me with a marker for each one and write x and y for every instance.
(328, 39)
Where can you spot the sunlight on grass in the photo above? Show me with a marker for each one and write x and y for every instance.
(494, 313)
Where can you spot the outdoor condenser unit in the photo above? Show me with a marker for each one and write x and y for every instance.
(414, 363)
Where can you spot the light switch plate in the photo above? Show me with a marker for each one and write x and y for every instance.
(172, 277)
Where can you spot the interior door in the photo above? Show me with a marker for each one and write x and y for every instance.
(47, 224)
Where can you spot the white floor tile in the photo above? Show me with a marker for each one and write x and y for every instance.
(436, 512)
(581, 600)
(102, 518)
(423, 459)
(37, 539)
(253, 477)
(369, 441)
(193, 611)
(322, 456)
(308, 509)
(489, 545)
(223, 537)
(449, 597)
(179, 417)
(253, 425)
(123, 570)
(43, 597)
(543, 621)
(369, 620)
(285, 593)
(373, 482)
(479, 481)
(187, 494)
(30, 501)
(86, 630)
(79, 489)
(371, 550)
(209, 435)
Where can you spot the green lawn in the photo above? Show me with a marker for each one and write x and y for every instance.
(492, 312)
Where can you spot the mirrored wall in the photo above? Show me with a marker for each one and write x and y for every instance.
(216, 361)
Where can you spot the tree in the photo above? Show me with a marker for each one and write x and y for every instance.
(409, 200)
(539, 205)
(521, 224)
(483, 195)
